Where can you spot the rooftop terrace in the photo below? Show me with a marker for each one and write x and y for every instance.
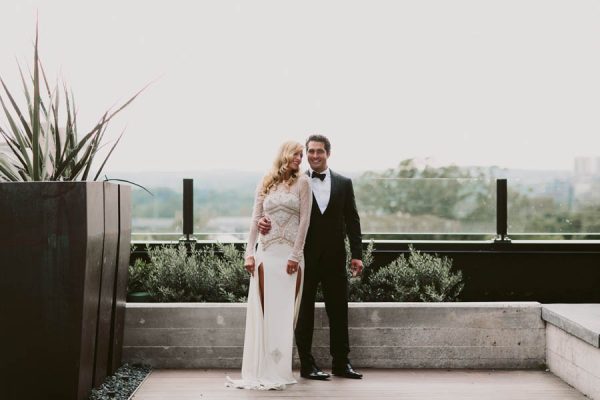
(407, 384)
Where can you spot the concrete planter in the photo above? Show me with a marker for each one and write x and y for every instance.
(382, 335)
(64, 252)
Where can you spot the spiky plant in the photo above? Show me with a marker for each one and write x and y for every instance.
(38, 150)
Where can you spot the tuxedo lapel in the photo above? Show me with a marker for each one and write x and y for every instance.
(335, 187)
(315, 205)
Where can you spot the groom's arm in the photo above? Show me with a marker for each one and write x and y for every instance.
(352, 221)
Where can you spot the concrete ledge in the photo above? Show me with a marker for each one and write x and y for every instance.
(573, 345)
(383, 335)
(579, 320)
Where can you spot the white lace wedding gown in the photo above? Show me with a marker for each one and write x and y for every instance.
(269, 338)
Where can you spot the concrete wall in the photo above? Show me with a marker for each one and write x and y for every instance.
(384, 335)
(574, 361)
(573, 345)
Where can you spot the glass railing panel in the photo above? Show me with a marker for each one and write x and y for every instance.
(218, 214)
(158, 212)
(396, 208)
(417, 207)
(559, 209)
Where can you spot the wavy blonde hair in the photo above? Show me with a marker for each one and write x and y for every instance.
(280, 166)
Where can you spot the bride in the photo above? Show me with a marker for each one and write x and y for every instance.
(284, 196)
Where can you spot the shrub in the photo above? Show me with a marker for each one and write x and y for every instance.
(139, 274)
(213, 274)
(216, 274)
(357, 286)
(418, 278)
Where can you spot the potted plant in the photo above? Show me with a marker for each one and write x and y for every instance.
(64, 246)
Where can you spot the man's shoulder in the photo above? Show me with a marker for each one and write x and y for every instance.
(335, 175)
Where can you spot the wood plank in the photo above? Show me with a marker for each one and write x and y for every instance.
(377, 384)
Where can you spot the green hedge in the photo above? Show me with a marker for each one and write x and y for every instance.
(216, 274)
(179, 274)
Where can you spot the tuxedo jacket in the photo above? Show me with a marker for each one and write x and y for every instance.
(326, 231)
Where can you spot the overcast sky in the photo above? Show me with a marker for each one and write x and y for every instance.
(472, 82)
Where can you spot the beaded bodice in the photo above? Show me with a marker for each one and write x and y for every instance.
(288, 208)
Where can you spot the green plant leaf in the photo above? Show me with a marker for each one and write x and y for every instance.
(35, 122)
(94, 144)
(7, 170)
(26, 91)
(70, 152)
(108, 155)
(17, 110)
(54, 97)
(21, 149)
(40, 150)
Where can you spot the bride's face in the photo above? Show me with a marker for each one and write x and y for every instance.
(295, 162)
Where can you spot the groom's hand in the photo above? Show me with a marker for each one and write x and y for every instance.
(250, 264)
(292, 267)
(264, 225)
(356, 267)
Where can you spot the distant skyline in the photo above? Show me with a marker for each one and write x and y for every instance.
(507, 83)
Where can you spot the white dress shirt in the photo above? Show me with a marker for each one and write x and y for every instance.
(321, 189)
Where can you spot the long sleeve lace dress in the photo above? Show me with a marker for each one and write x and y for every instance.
(269, 336)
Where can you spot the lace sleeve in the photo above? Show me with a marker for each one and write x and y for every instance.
(305, 208)
(257, 214)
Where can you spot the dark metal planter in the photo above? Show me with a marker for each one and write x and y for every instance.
(64, 250)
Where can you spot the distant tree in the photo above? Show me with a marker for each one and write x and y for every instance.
(408, 198)
(447, 193)
(587, 220)
(456, 199)
(163, 204)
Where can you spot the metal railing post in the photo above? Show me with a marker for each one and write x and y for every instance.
(188, 210)
(501, 211)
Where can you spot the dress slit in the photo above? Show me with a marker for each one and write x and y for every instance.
(269, 336)
(272, 308)
(261, 286)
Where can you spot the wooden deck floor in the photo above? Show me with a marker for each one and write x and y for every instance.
(377, 384)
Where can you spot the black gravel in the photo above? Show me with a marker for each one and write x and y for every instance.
(122, 383)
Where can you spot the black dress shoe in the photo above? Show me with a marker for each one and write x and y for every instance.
(311, 371)
(346, 371)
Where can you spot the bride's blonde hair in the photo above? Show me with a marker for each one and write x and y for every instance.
(280, 166)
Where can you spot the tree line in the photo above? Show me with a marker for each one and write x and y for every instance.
(406, 199)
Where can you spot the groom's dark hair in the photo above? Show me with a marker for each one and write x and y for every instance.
(319, 138)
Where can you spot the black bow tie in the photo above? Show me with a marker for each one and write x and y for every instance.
(318, 175)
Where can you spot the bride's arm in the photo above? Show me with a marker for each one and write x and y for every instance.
(305, 209)
(257, 214)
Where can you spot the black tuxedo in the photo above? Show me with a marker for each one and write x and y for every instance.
(324, 262)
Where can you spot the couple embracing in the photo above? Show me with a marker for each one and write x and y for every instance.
(296, 241)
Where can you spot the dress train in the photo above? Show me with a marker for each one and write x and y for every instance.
(269, 337)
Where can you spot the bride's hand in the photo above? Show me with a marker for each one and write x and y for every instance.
(249, 264)
(292, 267)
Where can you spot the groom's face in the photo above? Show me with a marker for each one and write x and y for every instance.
(317, 156)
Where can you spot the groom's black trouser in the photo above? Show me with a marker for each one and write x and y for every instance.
(329, 270)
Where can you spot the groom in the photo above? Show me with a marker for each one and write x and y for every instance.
(333, 216)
